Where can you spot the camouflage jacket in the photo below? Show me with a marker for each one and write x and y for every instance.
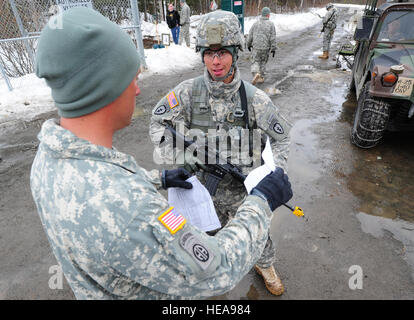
(329, 20)
(222, 99)
(262, 35)
(185, 14)
(103, 217)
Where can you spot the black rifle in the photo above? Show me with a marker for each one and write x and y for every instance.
(326, 23)
(212, 160)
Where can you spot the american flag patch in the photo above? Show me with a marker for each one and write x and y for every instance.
(172, 100)
(172, 220)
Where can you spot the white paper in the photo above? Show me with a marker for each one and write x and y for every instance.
(259, 173)
(195, 205)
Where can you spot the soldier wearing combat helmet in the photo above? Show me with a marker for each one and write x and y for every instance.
(328, 29)
(262, 39)
(215, 104)
(114, 235)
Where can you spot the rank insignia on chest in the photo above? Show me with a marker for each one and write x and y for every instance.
(172, 220)
(172, 100)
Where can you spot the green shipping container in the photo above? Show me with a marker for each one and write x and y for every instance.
(235, 6)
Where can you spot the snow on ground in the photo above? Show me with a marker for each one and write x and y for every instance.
(32, 97)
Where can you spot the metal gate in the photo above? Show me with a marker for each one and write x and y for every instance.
(21, 22)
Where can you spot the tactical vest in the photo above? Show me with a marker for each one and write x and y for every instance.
(202, 117)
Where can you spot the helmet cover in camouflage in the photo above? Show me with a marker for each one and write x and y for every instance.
(329, 5)
(219, 29)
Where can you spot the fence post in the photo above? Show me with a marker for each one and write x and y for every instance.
(138, 34)
(22, 30)
(4, 75)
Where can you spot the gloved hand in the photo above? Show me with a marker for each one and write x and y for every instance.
(273, 53)
(250, 48)
(191, 163)
(175, 178)
(275, 187)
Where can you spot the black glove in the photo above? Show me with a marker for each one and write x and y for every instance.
(273, 53)
(176, 178)
(250, 48)
(275, 187)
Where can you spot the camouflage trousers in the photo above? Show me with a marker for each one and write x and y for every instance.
(327, 38)
(184, 34)
(259, 59)
(229, 196)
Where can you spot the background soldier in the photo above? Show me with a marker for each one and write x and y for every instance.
(185, 14)
(213, 101)
(113, 234)
(262, 37)
(328, 29)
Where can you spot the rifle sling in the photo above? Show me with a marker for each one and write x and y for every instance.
(243, 100)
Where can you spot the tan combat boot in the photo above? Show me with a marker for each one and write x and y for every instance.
(256, 78)
(325, 55)
(272, 281)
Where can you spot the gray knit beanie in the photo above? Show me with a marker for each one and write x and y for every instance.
(265, 11)
(88, 63)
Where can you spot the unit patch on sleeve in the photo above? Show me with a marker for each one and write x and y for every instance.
(197, 250)
(160, 110)
(172, 100)
(278, 128)
(172, 220)
(274, 124)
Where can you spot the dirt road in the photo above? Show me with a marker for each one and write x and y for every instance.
(357, 241)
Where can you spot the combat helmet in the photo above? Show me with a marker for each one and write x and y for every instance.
(220, 30)
(329, 5)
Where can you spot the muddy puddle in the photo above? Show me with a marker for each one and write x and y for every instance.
(383, 177)
(383, 180)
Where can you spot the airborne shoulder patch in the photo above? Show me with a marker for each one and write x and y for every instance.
(198, 250)
(172, 100)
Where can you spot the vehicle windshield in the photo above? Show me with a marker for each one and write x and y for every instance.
(397, 26)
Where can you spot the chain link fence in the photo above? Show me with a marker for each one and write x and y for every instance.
(21, 22)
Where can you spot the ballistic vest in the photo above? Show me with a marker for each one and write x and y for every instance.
(243, 116)
(201, 116)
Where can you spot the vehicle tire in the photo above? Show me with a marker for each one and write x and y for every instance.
(370, 120)
(352, 84)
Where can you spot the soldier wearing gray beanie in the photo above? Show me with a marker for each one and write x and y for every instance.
(265, 11)
(87, 63)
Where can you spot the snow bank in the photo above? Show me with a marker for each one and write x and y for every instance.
(169, 60)
(289, 23)
(30, 98)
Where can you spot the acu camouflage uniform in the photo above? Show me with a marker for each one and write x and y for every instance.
(329, 23)
(204, 104)
(262, 37)
(100, 211)
(185, 14)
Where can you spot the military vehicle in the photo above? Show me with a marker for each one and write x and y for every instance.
(383, 72)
